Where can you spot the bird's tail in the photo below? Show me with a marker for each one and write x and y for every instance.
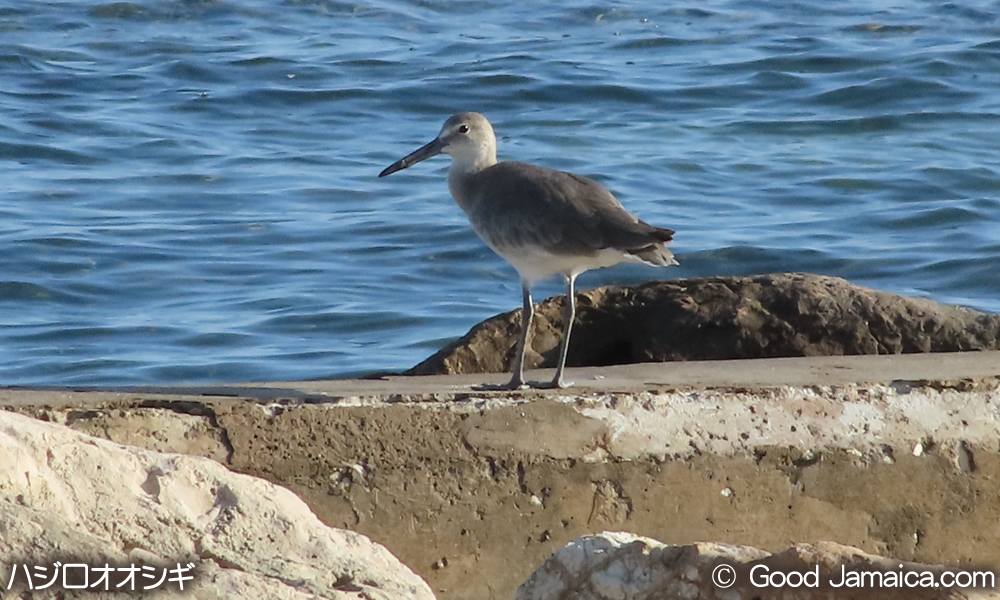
(657, 255)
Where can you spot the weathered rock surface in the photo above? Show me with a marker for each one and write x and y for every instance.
(69, 497)
(765, 316)
(474, 490)
(623, 566)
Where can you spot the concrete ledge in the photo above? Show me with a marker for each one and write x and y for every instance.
(715, 374)
(897, 455)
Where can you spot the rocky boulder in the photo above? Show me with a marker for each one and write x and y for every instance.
(623, 566)
(72, 499)
(765, 316)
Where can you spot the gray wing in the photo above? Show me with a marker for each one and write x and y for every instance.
(517, 204)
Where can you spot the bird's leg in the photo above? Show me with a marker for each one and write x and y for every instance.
(569, 315)
(527, 316)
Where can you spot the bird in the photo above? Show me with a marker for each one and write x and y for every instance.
(542, 221)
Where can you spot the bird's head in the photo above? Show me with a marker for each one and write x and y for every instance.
(467, 137)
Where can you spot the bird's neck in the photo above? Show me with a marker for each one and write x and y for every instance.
(462, 173)
(472, 162)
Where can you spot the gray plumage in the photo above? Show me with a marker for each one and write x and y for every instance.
(515, 205)
(543, 222)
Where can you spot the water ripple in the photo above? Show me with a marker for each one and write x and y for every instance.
(192, 192)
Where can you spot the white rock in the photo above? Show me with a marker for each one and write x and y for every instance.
(623, 566)
(64, 495)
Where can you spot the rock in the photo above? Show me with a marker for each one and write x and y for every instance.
(69, 497)
(623, 566)
(765, 316)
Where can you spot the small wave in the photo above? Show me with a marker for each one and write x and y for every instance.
(195, 71)
(937, 219)
(35, 152)
(32, 292)
(886, 92)
(217, 340)
(777, 81)
(571, 93)
(164, 12)
(654, 43)
(279, 97)
(817, 127)
(883, 29)
(978, 180)
(805, 64)
(125, 11)
(336, 322)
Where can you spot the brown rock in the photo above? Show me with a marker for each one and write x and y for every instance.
(764, 316)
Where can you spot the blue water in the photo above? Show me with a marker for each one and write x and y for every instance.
(189, 189)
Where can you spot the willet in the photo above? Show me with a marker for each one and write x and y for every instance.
(543, 222)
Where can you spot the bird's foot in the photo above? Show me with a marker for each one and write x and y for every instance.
(512, 385)
(556, 384)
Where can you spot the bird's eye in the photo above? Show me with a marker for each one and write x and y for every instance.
(463, 129)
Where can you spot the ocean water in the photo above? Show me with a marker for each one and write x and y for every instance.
(189, 190)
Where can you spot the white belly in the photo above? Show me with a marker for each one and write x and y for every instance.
(536, 265)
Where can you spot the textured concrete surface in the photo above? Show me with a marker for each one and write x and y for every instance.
(896, 455)
(715, 374)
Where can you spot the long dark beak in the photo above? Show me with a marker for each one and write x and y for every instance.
(432, 149)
